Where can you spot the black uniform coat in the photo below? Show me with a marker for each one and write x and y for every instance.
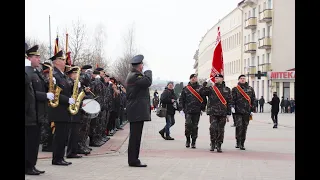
(61, 113)
(30, 113)
(39, 86)
(138, 96)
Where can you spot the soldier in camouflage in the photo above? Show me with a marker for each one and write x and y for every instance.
(85, 79)
(46, 131)
(192, 107)
(97, 89)
(243, 108)
(219, 110)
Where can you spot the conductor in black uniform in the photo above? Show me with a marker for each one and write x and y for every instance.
(138, 109)
(60, 114)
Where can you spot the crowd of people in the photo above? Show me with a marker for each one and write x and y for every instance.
(54, 108)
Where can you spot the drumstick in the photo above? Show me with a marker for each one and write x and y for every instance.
(89, 90)
(90, 101)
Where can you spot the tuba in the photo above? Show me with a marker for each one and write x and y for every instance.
(56, 91)
(78, 97)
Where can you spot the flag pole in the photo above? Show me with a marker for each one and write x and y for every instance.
(50, 35)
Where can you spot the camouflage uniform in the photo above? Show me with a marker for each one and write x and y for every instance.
(242, 112)
(192, 108)
(108, 101)
(103, 114)
(95, 132)
(218, 113)
(84, 120)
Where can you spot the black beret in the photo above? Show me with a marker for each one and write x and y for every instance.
(241, 76)
(219, 75)
(96, 72)
(86, 67)
(192, 75)
(33, 51)
(45, 67)
(99, 69)
(58, 55)
(137, 59)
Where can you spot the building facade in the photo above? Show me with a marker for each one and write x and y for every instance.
(257, 37)
(231, 40)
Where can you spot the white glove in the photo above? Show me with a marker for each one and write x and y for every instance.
(182, 113)
(79, 85)
(145, 68)
(110, 82)
(207, 80)
(98, 77)
(27, 62)
(233, 110)
(71, 101)
(228, 118)
(54, 80)
(50, 96)
(251, 113)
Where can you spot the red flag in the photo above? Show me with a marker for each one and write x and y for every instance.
(56, 46)
(69, 61)
(97, 65)
(217, 60)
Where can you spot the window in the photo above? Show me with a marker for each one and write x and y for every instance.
(244, 64)
(253, 34)
(268, 94)
(286, 90)
(262, 88)
(268, 56)
(249, 62)
(253, 84)
(252, 61)
(245, 16)
(278, 88)
(249, 40)
(258, 63)
(269, 4)
(257, 90)
(231, 67)
(264, 5)
(268, 31)
(253, 12)
(245, 39)
(258, 34)
(249, 14)
(263, 32)
(262, 59)
(259, 10)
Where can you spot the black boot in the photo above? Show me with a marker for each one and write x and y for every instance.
(242, 145)
(212, 146)
(169, 138)
(238, 144)
(188, 142)
(161, 132)
(193, 143)
(219, 147)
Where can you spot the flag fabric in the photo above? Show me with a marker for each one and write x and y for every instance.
(217, 60)
(68, 59)
(56, 46)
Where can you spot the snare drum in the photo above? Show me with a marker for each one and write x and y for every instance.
(91, 108)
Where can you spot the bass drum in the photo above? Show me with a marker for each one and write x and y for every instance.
(91, 108)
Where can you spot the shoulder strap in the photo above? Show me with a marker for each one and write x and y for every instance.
(195, 93)
(244, 94)
(218, 93)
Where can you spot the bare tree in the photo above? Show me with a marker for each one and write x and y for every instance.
(122, 66)
(43, 48)
(98, 48)
(77, 36)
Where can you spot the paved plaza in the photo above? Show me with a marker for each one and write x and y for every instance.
(269, 155)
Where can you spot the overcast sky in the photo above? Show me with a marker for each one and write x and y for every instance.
(167, 32)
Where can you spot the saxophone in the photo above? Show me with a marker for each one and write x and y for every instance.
(56, 91)
(74, 108)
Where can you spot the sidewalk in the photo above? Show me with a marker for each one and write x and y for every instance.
(269, 155)
(284, 119)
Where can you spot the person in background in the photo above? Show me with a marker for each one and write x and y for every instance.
(274, 109)
(261, 103)
(168, 100)
(282, 104)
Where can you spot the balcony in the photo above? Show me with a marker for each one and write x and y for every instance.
(249, 3)
(251, 23)
(265, 43)
(266, 67)
(250, 47)
(265, 15)
(252, 70)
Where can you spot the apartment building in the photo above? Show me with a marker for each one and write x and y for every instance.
(257, 37)
(268, 37)
(231, 40)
